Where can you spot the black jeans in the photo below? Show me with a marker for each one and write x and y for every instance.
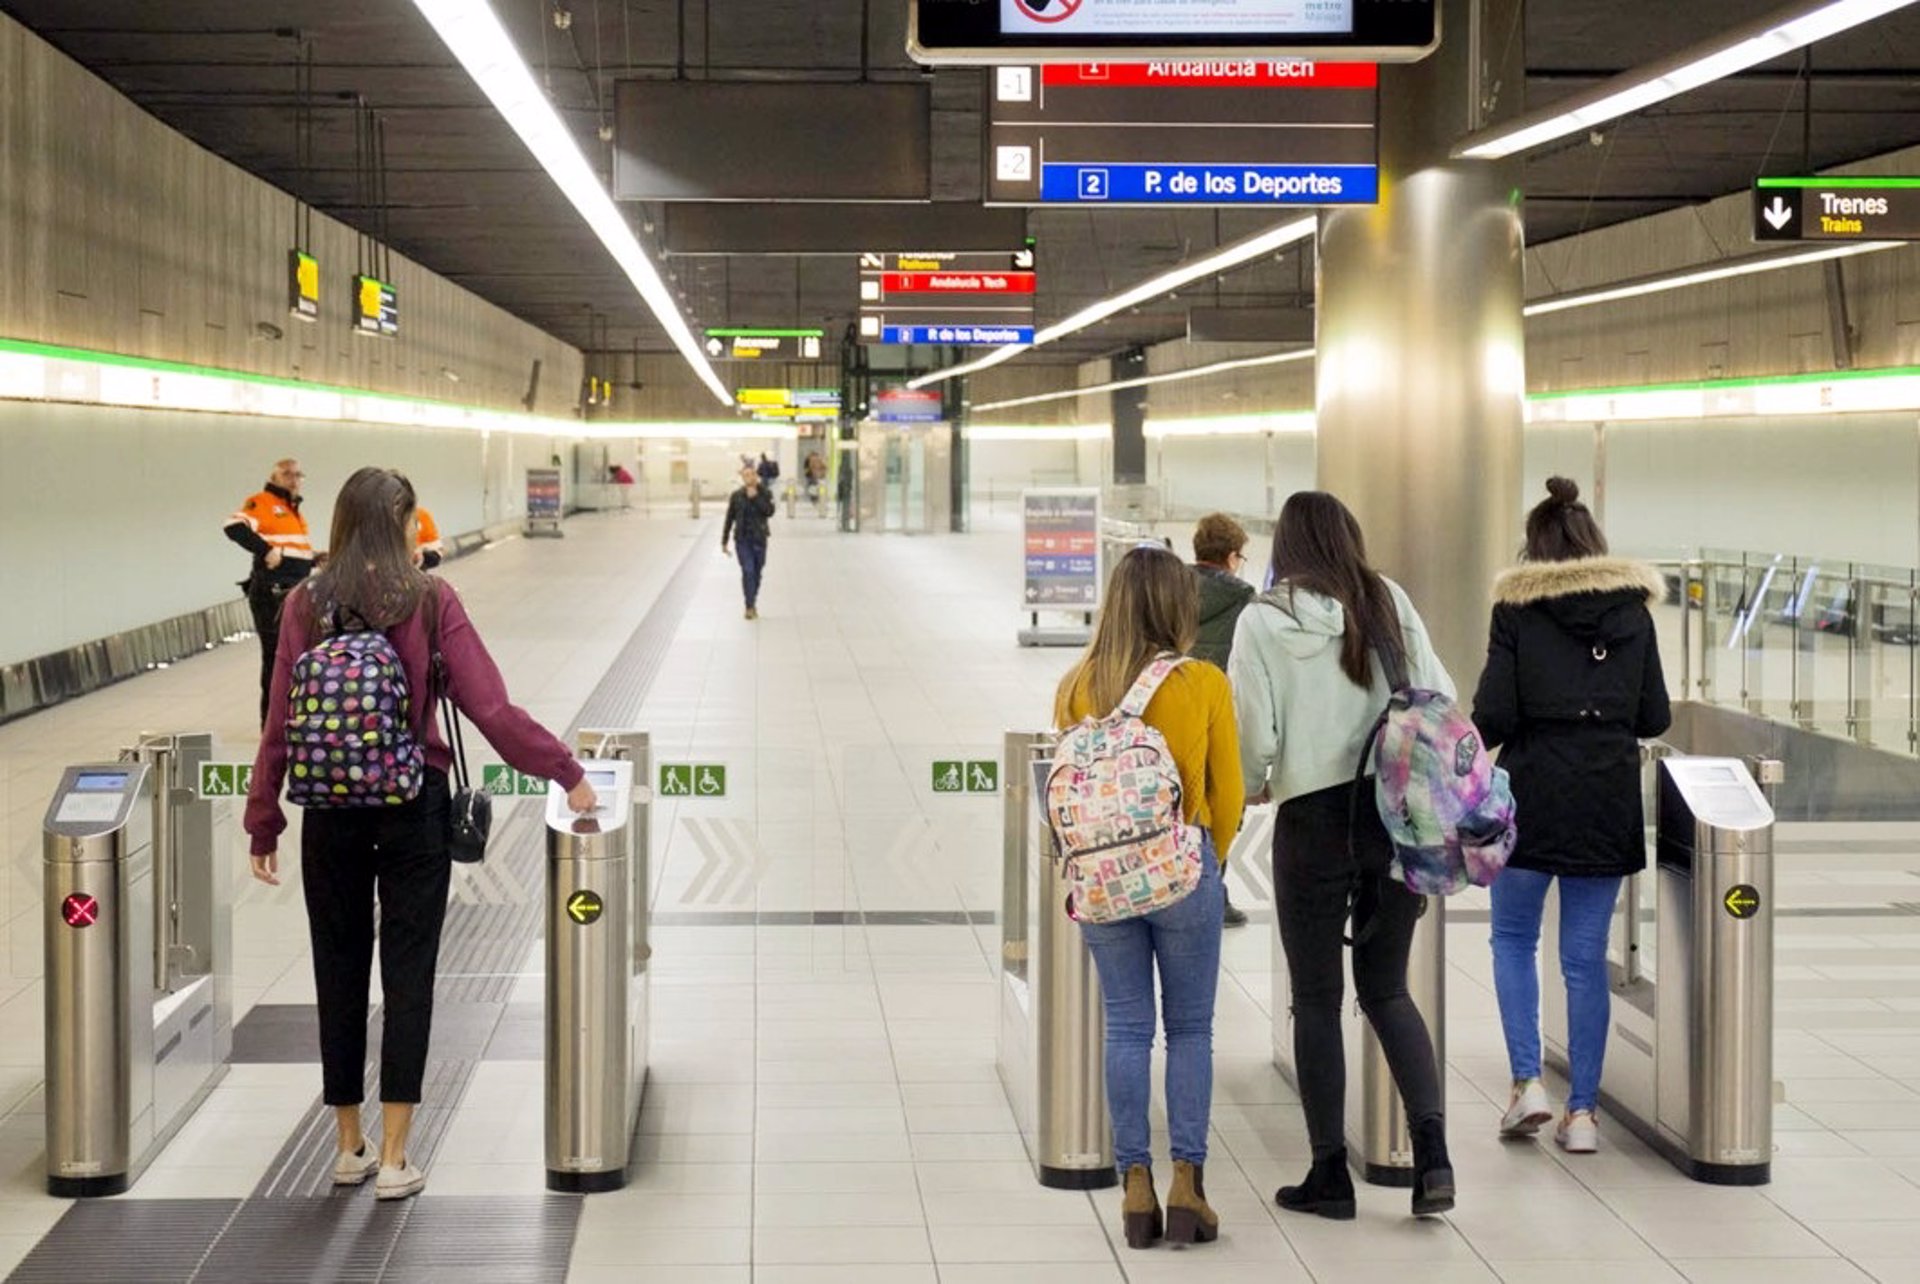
(266, 626)
(1313, 875)
(345, 856)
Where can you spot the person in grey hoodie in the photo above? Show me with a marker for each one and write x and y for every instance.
(1219, 551)
(1308, 686)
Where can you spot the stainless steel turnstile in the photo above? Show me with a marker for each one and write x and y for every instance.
(596, 1005)
(1379, 1140)
(138, 949)
(1689, 1065)
(1052, 1029)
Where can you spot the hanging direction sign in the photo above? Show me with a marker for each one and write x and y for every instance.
(1836, 209)
(764, 344)
(965, 300)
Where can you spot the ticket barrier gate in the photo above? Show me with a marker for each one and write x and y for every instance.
(1379, 1140)
(597, 980)
(1689, 1065)
(1052, 1030)
(138, 951)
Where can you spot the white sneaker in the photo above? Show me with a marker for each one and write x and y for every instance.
(1578, 1133)
(1529, 1111)
(353, 1168)
(399, 1183)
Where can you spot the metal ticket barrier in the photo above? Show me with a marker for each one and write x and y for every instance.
(1689, 1065)
(1052, 1029)
(1379, 1140)
(596, 1028)
(138, 947)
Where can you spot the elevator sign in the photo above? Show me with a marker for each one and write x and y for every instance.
(1836, 209)
(1185, 132)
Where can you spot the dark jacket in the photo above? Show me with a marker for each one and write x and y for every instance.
(1572, 685)
(748, 517)
(1223, 595)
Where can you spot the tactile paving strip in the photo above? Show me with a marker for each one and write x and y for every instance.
(161, 1241)
(498, 1240)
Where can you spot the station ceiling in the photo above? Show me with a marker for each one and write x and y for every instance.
(463, 197)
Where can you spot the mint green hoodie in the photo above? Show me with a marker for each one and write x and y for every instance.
(1302, 720)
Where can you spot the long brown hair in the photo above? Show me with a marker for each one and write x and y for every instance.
(1318, 546)
(1153, 607)
(1561, 528)
(370, 577)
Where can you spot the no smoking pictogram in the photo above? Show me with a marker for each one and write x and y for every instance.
(1049, 10)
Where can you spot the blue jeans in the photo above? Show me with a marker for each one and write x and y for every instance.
(753, 564)
(1586, 917)
(1185, 940)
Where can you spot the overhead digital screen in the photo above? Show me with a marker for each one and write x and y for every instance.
(1002, 31)
(951, 299)
(376, 308)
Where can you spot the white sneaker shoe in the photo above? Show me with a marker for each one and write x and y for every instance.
(352, 1169)
(399, 1183)
(1529, 1111)
(1578, 1133)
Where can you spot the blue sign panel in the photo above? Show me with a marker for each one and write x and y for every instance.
(1175, 184)
(965, 336)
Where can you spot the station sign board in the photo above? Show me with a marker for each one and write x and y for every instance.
(376, 308)
(942, 297)
(1836, 209)
(303, 285)
(1241, 132)
(1009, 31)
(1062, 548)
(908, 406)
(764, 343)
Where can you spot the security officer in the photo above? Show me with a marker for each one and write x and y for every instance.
(432, 550)
(270, 527)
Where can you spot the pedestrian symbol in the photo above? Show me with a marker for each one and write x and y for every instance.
(676, 781)
(949, 777)
(225, 779)
(693, 780)
(983, 777)
(960, 777)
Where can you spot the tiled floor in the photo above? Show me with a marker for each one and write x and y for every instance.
(823, 1105)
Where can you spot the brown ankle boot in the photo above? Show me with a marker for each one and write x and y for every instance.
(1140, 1215)
(1190, 1220)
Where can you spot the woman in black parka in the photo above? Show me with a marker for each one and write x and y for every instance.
(1572, 685)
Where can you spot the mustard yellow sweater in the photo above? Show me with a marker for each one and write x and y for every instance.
(1193, 709)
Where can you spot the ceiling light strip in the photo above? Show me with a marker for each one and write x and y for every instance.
(473, 34)
(1703, 275)
(1224, 259)
(1144, 381)
(1749, 45)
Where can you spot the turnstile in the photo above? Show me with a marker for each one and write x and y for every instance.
(596, 1009)
(1689, 1064)
(1379, 1139)
(138, 948)
(1052, 1028)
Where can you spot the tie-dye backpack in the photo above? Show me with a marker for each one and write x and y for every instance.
(1114, 801)
(1448, 809)
(350, 740)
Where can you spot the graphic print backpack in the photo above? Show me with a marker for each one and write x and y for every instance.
(350, 741)
(1114, 801)
(1448, 809)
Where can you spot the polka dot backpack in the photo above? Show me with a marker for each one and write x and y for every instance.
(350, 740)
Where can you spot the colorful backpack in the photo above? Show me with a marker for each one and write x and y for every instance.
(350, 740)
(1114, 800)
(1448, 809)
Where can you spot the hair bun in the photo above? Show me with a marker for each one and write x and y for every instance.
(1563, 490)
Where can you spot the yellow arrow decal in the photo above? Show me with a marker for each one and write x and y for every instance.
(585, 907)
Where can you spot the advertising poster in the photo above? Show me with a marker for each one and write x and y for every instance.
(1062, 549)
(543, 496)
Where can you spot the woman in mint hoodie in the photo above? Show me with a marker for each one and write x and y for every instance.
(1308, 686)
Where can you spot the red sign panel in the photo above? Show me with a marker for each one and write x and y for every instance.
(1237, 73)
(80, 910)
(959, 283)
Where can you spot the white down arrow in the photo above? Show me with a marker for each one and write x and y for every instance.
(1778, 214)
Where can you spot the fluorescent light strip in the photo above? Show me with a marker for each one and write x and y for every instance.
(1704, 275)
(1171, 376)
(1221, 260)
(1781, 32)
(472, 32)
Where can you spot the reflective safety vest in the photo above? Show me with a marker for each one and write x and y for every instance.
(429, 530)
(277, 522)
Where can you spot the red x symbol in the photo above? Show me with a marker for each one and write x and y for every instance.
(80, 910)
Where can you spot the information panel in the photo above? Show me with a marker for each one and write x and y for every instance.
(376, 308)
(764, 343)
(908, 406)
(303, 285)
(1185, 132)
(543, 494)
(962, 300)
(1001, 31)
(1062, 548)
(1836, 209)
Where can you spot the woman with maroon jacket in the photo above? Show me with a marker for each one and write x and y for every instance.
(371, 583)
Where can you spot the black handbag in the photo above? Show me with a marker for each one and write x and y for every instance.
(470, 812)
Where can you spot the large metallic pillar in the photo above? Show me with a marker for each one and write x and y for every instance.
(1421, 390)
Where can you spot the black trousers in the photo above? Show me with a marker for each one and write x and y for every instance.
(266, 626)
(347, 858)
(1313, 877)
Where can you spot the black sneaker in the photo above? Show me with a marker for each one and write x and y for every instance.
(1233, 917)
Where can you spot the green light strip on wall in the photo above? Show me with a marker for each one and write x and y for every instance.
(748, 332)
(1837, 183)
(1731, 385)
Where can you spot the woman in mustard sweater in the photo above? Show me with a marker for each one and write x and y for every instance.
(1153, 610)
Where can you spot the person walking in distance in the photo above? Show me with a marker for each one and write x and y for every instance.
(1572, 685)
(1309, 673)
(1149, 622)
(269, 526)
(374, 628)
(1219, 552)
(748, 526)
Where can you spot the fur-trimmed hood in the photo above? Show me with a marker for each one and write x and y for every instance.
(1538, 581)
